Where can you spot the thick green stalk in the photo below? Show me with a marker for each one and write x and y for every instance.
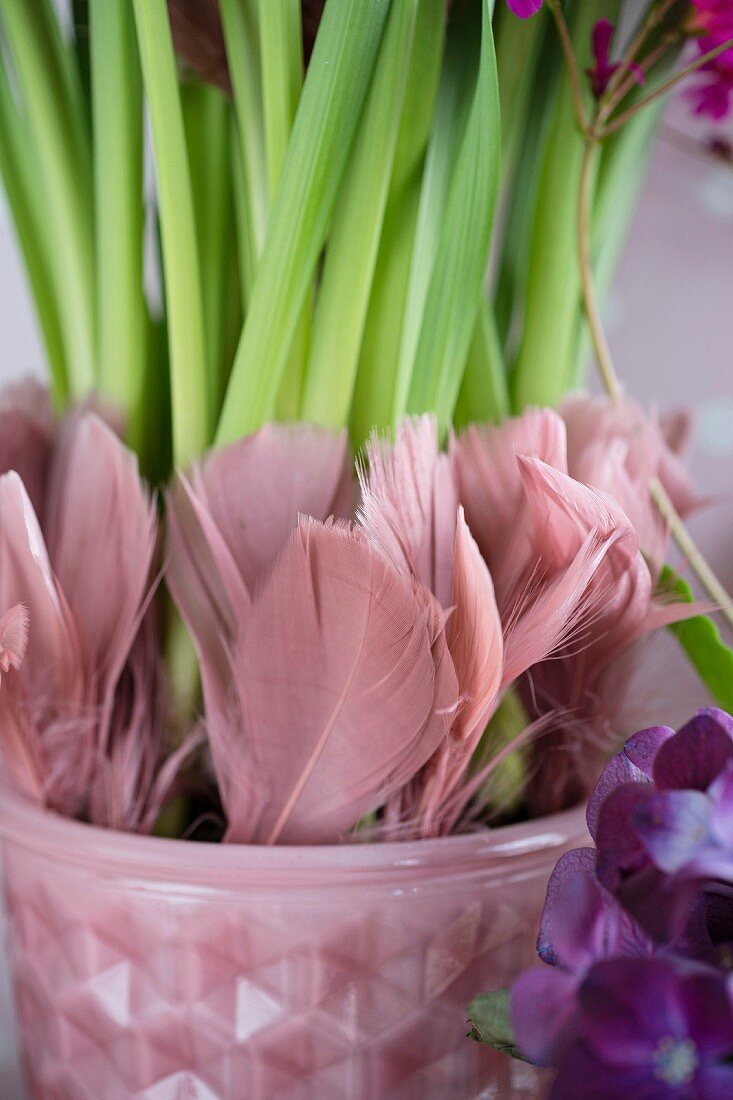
(372, 404)
(206, 118)
(241, 34)
(355, 232)
(327, 119)
(189, 388)
(552, 302)
(19, 170)
(484, 393)
(281, 58)
(455, 290)
(122, 319)
(457, 84)
(63, 169)
(281, 55)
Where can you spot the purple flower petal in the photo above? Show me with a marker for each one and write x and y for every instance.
(543, 1008)
(583, 1077)
(581, 922)
(643, 747)
(633, 765)
(524, 8)
(620, 850)
(697, 753)
(674, 827)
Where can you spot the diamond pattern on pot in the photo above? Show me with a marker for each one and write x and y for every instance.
(127, 990)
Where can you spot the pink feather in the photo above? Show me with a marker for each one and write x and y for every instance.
(409, 504)
(491, 489)
(345, 688)
(255, 489)
(13, 638)
(27, 435)
(615, 447)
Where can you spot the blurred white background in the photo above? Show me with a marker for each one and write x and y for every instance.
(670, 321)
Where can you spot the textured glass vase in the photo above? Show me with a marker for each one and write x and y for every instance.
(171, 969)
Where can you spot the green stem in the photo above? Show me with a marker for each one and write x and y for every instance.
(356, 227)
(206, 119)
(19, 170)
(484, 393)
(241, 34)
(328, 114)
(184, 308)
(63, 169)
(122, 320)
(281, 55)
(375, 382)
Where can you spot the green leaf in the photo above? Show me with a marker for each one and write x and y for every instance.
(328, 114)
(51, 107)
(701, 641)
(117, 119)
(456, 283)
(373, 395)
(484, 393)
(206, 118)
(19, 169)
(184, 307)
(241, 35)
(490, 1022)
(353, 240)
(553, 292)
(457, 87)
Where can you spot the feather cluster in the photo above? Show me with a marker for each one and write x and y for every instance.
(355, 634)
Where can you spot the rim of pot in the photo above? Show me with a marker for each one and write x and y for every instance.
(484, 853)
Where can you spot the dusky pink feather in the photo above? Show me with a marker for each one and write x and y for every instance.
(475, 643)
(345, 685)
(614, 446)
(27, 436)
(491, 489)
(75, 703)
(13, 638)
(255, 489)
(100, 513)
(409, 504)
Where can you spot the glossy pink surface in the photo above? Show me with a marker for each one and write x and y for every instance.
(166, 969)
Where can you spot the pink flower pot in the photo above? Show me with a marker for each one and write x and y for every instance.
(170, 969)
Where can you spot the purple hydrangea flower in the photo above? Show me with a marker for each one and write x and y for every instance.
(662, 819)
(581, 924)
(649, 1029)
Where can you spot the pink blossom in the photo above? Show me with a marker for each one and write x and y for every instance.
(524, 8)
(712, 21)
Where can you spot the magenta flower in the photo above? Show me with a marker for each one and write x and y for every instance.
(650, 1029)
(524, 8)
(603, 68)
(712, 21)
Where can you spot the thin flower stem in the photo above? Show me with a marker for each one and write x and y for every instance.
(576, 83)
(691, 551)
(590, 297)
(666, 86)
(613, 386)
